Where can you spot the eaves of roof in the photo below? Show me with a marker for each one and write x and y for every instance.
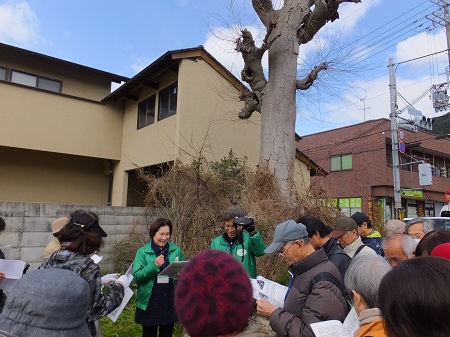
(309, 162)
(114, 77)
(170, 61)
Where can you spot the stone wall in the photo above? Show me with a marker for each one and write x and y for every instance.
(28, 228)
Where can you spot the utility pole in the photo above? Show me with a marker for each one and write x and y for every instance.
(364, 107)
(442, 19)
(394, 136)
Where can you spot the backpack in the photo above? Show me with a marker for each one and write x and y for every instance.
(325, 276)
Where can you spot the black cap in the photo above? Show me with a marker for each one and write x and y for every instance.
(88, 221)
(360, 217)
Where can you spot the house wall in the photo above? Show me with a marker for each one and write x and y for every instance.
(36, 176)
(208, 120)
(39, 120)
(28, 228)
(302, 178)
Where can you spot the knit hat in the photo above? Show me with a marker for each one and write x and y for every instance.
(442, 250)
(285, 232)
(214, 295)
(58, 224)
(343, 224)
(47, 303)
(394, 226)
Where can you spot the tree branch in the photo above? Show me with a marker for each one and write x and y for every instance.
(308, 81)
(324, 11)
(253, 72)
(264, 9)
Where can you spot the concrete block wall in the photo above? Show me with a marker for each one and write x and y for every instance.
(28, 228)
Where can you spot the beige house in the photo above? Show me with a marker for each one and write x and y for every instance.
(65, 138)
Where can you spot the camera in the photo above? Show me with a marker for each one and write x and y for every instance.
(247, 223)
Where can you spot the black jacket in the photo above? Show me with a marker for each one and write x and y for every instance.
(308, 302)
(337, 256)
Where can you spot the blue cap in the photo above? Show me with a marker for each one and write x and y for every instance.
(285, 232)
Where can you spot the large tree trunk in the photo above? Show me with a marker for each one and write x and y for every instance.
(287, 28)
(278, 112)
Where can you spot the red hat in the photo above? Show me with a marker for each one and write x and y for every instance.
(214, 295)
(442, 250)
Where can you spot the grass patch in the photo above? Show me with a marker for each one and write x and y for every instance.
(125, 326)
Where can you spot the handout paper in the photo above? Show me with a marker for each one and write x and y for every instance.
(271, 291)
(13, 270)
(96, 258)
(6, 250)
(128, 293)
(114, 315)
(334, 328)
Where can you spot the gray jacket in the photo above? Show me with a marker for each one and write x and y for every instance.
(307, 303)
(101, 303)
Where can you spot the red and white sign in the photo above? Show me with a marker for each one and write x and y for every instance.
(401, 134)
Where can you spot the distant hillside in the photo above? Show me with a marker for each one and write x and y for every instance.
(441, 125)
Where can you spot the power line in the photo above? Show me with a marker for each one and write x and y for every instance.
(421, 57)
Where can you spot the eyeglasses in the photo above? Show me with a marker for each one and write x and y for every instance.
(417, 235)
(281, 253)
(395, 260)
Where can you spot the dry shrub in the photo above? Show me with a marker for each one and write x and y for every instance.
(193, 196)
(125, 250)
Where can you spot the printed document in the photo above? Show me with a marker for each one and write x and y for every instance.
(114, 315)
(335, 328)
(6, 250)
(128, 293)
(96, 258)
(271, 291)
(13, 270)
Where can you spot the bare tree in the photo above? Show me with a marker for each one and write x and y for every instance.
(288, 27)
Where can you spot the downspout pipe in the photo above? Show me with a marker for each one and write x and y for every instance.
(111, 176)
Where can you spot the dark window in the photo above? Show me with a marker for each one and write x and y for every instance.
(2, 74)
(341, 162)
(146, 113)
(168, 102)
(405, 164)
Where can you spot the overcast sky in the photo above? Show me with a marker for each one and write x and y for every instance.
(123, 37)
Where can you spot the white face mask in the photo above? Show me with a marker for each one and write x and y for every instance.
(417, 240)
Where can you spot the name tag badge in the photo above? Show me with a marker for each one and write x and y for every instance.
(162, 279)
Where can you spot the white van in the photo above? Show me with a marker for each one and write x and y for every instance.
(439, 222)
(445, 211)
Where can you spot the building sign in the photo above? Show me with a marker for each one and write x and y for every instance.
(411, 193)
(333, 202)
(344, 203)
(355, 203)
(350, 202)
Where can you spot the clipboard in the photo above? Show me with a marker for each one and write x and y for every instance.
(173, 269)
